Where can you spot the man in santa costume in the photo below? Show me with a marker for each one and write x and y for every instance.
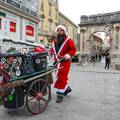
(64, 47)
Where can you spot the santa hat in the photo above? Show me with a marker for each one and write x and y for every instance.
(62, 27)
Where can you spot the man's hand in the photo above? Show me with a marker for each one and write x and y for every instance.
(67, 57)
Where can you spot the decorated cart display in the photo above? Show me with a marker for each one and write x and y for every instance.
(24, 80)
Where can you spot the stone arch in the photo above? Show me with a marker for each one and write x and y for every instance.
(94, 48)
(100, 30)
(108, 23)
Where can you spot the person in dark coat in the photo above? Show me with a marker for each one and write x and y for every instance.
(107, 61)
(99, 57)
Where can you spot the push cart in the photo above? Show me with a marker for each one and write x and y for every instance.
(32, 89)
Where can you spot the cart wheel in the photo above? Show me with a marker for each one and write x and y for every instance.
(38, 96)
(0, 101)
(4, 78)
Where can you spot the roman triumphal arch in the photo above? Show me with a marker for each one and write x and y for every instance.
(108, 23)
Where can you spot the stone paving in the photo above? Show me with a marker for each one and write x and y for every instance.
(95, 96)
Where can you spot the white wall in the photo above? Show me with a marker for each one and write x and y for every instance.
(19, 34)
(5, 26)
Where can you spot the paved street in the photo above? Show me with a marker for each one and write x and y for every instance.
(95, 96)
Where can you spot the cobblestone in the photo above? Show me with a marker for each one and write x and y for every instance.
(95, 96)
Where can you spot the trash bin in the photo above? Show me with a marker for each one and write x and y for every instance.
(14, 99)
(12, 63)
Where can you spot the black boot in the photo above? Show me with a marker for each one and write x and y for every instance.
(68, 90)
(59, 98)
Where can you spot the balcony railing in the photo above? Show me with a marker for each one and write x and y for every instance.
(20, 6)
(25, 9)
(33, 13)
(13, 3)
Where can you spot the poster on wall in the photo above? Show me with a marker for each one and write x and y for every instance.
(12, 26)
(29, 30)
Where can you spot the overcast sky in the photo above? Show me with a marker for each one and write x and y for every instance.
(73, 9)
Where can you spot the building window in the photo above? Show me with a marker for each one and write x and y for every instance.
(12, 26)
(97, 47)
(50, 27)
(42, 25)
(50, 10)
(56, 13)
(0, 23)
(60, 22)
(42, 6)
(73, 34)
(117, 28)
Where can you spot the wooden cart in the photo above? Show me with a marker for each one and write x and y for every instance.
(31, 90)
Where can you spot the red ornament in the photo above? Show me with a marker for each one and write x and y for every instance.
(39, 49)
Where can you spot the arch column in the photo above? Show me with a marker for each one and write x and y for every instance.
(116, 44)
(113, 51)
(82, 41)
(85, 41)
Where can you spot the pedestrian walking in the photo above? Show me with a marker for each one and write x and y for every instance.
(63, 47)
(99, 57)
(107, 61)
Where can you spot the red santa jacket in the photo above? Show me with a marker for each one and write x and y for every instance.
(68, 47)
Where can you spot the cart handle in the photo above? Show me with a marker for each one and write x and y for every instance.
(61, 60)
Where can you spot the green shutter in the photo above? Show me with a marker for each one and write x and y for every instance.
(2, 14)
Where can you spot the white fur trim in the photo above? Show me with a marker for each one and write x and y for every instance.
(67, 56)
(62, 27)
(61, 90)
